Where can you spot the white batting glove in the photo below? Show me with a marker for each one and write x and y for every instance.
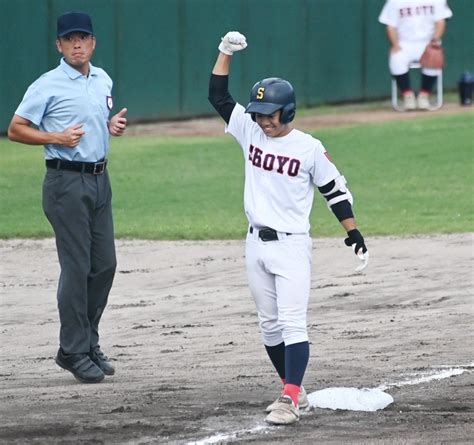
(356, 240)
(364, 258)
(233, 41)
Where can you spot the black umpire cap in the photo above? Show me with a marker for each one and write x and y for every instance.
(74, 22)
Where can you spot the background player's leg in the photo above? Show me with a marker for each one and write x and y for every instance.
(404, 86)
(398, 64)
(427, 83)
(403, 82)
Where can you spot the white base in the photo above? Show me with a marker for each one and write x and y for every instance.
(352, 399)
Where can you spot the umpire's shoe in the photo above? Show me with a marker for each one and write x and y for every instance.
(80, 366)
(101, 360)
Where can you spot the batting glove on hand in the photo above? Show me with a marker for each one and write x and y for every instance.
(356, 240)
(355, 237)
(233, 41)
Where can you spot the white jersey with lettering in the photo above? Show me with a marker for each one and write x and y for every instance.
(414, 19)
(280, 174)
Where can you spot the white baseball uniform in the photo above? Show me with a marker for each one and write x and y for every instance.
(280, 176)
(415, 23)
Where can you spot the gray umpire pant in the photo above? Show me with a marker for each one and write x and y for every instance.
(79, 208)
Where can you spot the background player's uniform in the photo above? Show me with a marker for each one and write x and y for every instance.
(415, 23)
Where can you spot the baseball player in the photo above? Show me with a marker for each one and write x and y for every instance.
(411, 25)
(282, 167)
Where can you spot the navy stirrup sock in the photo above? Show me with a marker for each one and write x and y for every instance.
(427, 83)
(277, 356)
(296, 360)
(403, 82)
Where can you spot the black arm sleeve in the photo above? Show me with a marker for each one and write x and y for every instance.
(342, 210)
(220, 97)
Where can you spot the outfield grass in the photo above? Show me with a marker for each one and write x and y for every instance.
(407, 177)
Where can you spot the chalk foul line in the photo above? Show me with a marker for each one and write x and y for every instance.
(438, 373)
(425, 376)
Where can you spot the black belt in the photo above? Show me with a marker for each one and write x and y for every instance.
(94, 168)
(267, 234)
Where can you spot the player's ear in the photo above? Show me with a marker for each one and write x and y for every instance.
(58, 46)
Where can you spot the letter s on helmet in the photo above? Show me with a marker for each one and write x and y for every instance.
(270, 95)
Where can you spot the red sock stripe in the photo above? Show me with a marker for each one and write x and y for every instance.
(292, 391)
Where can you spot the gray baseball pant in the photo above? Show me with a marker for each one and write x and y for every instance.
(79, 208)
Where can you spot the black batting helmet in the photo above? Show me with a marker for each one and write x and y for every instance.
(272, 94)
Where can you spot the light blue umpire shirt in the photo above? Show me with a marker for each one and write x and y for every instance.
(64, 97)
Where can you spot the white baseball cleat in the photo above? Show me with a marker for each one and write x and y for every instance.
(284, 413)
(303, 401)
(424, 102)
(409, 101)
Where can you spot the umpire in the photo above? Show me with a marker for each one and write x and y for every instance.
(67, 110)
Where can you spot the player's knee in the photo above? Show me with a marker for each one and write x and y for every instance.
(271, 332)
(431, 72)
(272, 338)
(294, 333)
(292, 337)
(398, 64)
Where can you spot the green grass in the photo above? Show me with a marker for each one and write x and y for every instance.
(407, 177)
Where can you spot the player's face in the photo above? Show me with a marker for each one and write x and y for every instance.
(77, 49)
(271, 125)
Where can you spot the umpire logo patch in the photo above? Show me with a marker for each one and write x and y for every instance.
(110, 102)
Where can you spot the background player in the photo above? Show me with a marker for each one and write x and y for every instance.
(282, 167)
(411, 25)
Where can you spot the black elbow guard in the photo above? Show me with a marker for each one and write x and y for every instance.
(338, 197)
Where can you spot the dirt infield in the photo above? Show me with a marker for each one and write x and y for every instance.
(181, 329)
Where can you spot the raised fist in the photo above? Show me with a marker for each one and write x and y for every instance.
(233, 41)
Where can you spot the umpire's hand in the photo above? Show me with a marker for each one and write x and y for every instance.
(118, 123)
